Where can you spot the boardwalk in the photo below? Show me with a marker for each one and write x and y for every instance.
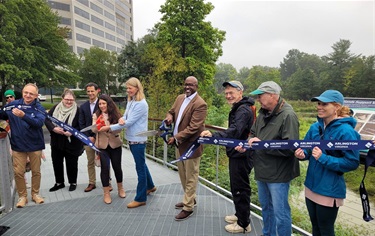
(80, 213)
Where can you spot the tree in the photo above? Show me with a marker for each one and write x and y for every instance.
(260, 74)
(32, 46)
(224, 72)
(290, 64)
(359, 76)
(183, 27)
(338, 63)
(100, 66)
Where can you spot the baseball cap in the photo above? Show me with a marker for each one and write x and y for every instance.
(234, 84)
(9, 92)
(267, 87)
(330, 96)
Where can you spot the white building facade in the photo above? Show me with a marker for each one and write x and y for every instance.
(107, 24)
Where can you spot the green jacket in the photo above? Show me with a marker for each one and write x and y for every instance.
(276, 166)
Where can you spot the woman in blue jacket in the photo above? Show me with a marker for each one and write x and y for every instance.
(135, 120)
(325, 188)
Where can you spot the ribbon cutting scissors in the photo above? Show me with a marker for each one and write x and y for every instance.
(164, 131)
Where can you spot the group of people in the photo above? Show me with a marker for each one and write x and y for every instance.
(26, 117)
(274, 168)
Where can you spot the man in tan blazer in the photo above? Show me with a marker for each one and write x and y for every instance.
(188, 114)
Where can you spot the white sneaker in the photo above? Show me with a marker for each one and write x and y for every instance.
(231, 219)
(235, 228)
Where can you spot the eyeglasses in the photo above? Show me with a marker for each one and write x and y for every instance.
(8, 97)
(69, 100)
(189, 85)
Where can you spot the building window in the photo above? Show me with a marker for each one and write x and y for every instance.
(109, 5)
(96, 20)
(81, 12)
(98, 43)
(121, 41)
(80, 50)
(120, 31)
(110, 47)
(109, 15)
(84, 2)
(59, 6)
(96, 8)
(97, 31)
(83, 38)
(65, 21)
(110, 37)
(110, 26)
(82, 25)
(123, 5)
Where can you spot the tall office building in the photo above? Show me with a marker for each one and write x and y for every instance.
(107, 24)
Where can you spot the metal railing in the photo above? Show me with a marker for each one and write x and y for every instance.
(7, 184)
(155, 123)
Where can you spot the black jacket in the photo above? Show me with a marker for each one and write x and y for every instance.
(61, 142)
(240, 120)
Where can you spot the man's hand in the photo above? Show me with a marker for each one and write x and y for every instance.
(255, 139)
(168, 119)
(171, 141)
(17, 112)
(206, 133)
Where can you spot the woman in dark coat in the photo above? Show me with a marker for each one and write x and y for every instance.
(63, 144)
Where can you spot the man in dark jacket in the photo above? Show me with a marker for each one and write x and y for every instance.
(240, 119)
(85, 119)
(27, 140)
(274, 169)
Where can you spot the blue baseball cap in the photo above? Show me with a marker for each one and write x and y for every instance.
(330, 96)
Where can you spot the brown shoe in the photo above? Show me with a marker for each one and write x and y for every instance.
(134, 204)
(151, 190)
(180, 205)
(183, 215)
(107, 195)
(90, 187)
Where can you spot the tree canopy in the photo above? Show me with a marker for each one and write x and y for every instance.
(32, 46)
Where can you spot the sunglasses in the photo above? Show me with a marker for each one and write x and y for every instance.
(9, 97)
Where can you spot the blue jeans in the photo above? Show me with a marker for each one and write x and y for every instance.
(273, 198)
(144, 177)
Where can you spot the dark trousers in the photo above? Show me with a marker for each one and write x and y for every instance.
(322, 218)
(58, 156)
(108, 156)
(239, 171)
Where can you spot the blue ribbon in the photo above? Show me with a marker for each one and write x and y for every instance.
(76, 133)
(294, 144)
(279, 144)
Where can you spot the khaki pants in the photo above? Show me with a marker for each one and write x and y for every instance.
(90, 153)
(188, 171)
(19, 165)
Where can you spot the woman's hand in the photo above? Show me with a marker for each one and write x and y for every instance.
(299, 153)
(121, 121)
(105, 128)
(58, 130)
(316, 152)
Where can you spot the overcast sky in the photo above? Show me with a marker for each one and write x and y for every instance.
(262, 32)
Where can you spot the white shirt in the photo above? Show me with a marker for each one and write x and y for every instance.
(184, 104)
(92, 106)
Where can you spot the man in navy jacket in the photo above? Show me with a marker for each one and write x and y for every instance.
(27, 140)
